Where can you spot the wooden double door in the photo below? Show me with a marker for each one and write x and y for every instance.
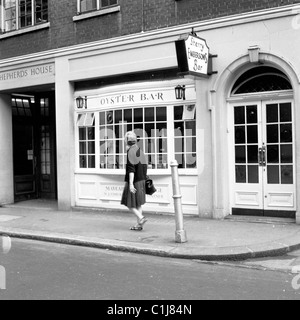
(34, 147)
(263, 167)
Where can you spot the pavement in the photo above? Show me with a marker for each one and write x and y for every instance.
(233, 239)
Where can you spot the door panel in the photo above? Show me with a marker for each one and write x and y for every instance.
(247, 174)
(263, 148)
(279, 170)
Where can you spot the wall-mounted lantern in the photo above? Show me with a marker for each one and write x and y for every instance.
(180, 92)
(81, 102)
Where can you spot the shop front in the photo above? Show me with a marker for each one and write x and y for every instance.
(166, 130)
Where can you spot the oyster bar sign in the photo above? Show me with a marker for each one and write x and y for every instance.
(193, 56)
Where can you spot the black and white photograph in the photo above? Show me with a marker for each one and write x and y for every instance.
(149, 153)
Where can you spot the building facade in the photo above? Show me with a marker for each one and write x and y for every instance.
(234, 133)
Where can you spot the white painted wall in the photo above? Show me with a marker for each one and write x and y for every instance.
(6, 151)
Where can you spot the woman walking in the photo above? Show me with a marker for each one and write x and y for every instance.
(134, 195)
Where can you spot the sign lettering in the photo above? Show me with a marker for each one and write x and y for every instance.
(28, 73)
(193, 56)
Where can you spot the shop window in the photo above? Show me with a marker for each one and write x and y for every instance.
(150, 126)
(185, 136)
(87, 143)
(18, 14)
(93, 5)
(103, 148)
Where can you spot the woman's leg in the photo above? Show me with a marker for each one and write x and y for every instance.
(137, 213)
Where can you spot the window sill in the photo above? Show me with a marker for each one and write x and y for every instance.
(25, 30)
(121, 172)
(97, 13)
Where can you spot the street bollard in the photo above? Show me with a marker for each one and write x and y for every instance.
(180, 233)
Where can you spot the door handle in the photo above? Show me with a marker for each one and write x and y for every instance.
(262, 156)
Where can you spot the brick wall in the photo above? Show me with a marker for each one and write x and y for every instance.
(135, 16)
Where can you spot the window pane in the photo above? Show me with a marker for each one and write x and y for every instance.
(106, 3)
(92, 162)
(149, 114)
(150, 146)
(88, 5)
(252, 114)
(150, 130)
(82, 148)
(179, 144)
(91, 147)
(239, 115)
(180, 159)
(273, 174)
(10, 14)
(118, 116)
(252, 154)
(252, 134)
(272, 134)
(83, 161)
(109, 117)
(287, 175)
(286, 154)
(240, 172)
(138, 115)
(161, 114)
(163, 145)
(128, 115)
(102, 118)
(190, 128)
(82, 134)
(191, 161)
(178, 112)
(253, 174)
(240, 154)
(285, 112)
(286, 133)
(161, 129)
(240, 135)
(179, 129)
(273, 154)
(191, 145)
(272, 113)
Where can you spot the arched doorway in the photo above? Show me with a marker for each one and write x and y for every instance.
(262, 144)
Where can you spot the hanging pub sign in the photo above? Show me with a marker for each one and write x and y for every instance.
(193, 56)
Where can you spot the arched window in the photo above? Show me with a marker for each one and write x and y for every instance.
(261, 79)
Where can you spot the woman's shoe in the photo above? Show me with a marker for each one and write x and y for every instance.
(137, 228)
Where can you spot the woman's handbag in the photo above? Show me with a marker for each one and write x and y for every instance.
(150, 189)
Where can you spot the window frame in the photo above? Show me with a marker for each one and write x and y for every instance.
(99, 7)
(170, 153)
(19, 15)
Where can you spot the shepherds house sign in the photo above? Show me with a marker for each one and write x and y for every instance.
(193, 56)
